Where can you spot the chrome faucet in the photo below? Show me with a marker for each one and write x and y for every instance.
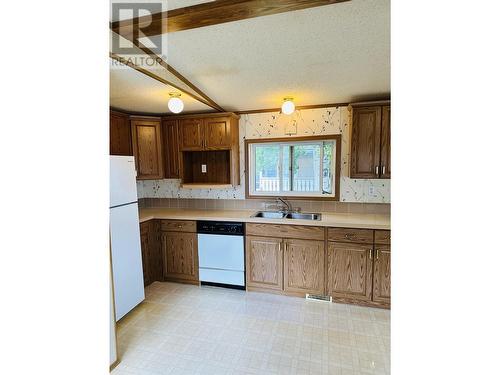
(284, 203)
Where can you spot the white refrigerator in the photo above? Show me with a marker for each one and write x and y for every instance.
(126, 257)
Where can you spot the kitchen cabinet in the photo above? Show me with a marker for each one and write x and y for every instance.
(145, 251)
(170, 136)
(264, 262)
(209, 149)
(192, 134)
(304, 266)
(289, 259)
(152, 261)
(350, 270)
(370, 141)
(147, 149)
(217, 133)
(359, 266)
(179, 245)
(385, 148)
(382, 274)
(208, 133)
(120, 136)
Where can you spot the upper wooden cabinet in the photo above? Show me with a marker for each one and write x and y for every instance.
(120, 137)
(192, 134)
(146, 145)
(385, 149)
(217, 133)
(170, 135)
(370, 141)
(209, 132)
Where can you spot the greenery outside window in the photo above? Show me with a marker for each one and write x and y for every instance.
(294, 167)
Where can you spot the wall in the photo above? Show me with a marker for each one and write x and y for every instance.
(322, 121)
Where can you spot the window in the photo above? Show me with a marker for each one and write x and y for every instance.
(304, 168)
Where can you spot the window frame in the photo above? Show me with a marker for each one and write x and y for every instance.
(301, 196)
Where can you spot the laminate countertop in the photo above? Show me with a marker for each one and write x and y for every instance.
(328, 219)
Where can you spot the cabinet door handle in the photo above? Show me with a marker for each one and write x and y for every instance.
(286, 247)
(371, 254)
(279, 247)
(383, 169)
(377, 252)
(376, 170)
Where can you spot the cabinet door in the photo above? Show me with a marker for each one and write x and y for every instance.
(264, 262)
(191, 134)
(304, 266)
(365, 142)
(217, 133)
(382, 274)
(120, 137)
(180, 255)
(385, 149)
(146, 142)
(145, 251)
(170, 133)
(350, 271)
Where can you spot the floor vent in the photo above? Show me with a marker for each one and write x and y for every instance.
(317, 297)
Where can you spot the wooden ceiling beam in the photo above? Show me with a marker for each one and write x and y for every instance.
(130, 64)
(212, 13)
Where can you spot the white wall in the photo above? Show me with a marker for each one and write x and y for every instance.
(322, 121)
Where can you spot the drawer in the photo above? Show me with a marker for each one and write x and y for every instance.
(350, 235)
(383, 237)
(286, 231)
(178, 226)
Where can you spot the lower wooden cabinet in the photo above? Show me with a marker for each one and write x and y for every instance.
(152, 262)
(304, 266)
(359, 267)
(180, 255)
(350, 270)
(292, 266)
(382, 274)
(264, 262)
(145, 251)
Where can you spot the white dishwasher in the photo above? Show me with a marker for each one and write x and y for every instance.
(221, 253)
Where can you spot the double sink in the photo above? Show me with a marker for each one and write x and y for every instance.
(289, 215)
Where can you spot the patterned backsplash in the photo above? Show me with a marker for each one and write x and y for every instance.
(321, 121)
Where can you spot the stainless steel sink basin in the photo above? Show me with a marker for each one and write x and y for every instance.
(303, 216)
(291, 215)
(270, 214)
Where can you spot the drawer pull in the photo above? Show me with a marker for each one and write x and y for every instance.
(349, 236)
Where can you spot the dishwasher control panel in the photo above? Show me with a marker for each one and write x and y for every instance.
(220, 227)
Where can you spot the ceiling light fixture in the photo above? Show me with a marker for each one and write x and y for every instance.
(288, 107)
(175, 104)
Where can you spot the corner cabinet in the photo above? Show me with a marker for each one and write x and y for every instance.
(370, 140)
(147, 148)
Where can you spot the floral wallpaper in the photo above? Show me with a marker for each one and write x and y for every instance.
(321, 121)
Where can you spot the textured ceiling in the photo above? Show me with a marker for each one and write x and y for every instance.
(136, 92)
(328, 54)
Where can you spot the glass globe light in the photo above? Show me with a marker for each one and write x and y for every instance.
(175, 104)
(288, 107)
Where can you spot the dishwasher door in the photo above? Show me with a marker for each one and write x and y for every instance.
(221, 259)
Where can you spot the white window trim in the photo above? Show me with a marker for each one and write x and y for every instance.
(251, 170)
